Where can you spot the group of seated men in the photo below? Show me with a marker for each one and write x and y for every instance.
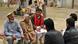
(28, 30)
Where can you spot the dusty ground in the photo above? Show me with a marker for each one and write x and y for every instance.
(59, 16)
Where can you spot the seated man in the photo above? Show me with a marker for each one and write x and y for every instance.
(39, 24)
(38, 18)
(52, 36)
(71, 33)
(29, 34)
(74, 16)
(12, 29)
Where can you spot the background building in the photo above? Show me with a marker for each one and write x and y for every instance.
(64, 3)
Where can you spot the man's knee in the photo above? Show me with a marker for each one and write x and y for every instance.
(10, 40)
(20, 41)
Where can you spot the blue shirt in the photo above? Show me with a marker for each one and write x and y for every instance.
(13, 28)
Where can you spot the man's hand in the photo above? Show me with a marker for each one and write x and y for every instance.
(14, 37)
(22, 36)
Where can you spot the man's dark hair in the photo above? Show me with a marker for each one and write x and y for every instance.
(38, 9)
(70, 23)
(35, 1)
(49, 24)
(74, 16)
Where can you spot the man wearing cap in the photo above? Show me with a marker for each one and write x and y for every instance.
(12, 29)
(28, 31)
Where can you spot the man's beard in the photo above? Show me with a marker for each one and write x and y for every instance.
(11, 21)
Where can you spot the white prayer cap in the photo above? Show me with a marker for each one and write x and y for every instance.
(9, 13)
(26, 15)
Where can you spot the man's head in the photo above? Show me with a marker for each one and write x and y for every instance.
(11, 17)
(74, 16)
(38, 10)
(35, 2)
(49, 24)
(70, 22)
(26, 17)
